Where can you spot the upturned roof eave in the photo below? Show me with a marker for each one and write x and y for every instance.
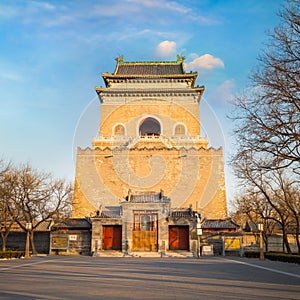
(111, 75)
(199, 89)
(107, 76)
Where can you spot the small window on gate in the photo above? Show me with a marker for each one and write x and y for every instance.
(145, 222)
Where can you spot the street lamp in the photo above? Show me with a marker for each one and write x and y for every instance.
(28, 228)
(199, 233)
(261, 246)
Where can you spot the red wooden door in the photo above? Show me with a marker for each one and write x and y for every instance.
(173, 237)
(179, 237)
(117, 238)
(183, 238)
(112, 237)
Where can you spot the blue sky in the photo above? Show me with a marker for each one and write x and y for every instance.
(52, 54)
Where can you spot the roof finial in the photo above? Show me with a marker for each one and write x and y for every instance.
(120, 59)
(180, 58)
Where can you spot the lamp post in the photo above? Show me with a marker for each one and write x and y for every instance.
(261, 246)
(28, 228)
(199, 233)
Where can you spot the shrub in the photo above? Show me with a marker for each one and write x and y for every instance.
(252, 254)
(276, 256)
(290, 258)
(9, 254)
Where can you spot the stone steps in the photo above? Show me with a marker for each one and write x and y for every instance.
(177, 254)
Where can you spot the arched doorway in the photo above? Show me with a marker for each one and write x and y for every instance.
(150, 126)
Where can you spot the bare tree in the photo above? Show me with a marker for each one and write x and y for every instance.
(7, 214)
(251, 206)
(288, 195)
(268, 113)
(39, 197)
(274, 186)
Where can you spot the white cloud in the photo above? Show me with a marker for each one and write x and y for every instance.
(161, 4)
(10, 76)
(59, 20)
(10, 72)
(8, 12)
(31, 8)
(113, 10)
(192, 56)
(172, 6)
(166, 49)
(224, 92)
(42, 5)
(206, 61)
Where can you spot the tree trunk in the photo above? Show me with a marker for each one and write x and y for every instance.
(297, 236)
(266, 240)
(285, 241)
(32, 243)
(3, 236)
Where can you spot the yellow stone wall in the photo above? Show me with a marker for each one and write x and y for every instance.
(188, 177)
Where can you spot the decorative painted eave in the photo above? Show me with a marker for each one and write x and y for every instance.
(108, 77)
(196, 92)
(106, 91)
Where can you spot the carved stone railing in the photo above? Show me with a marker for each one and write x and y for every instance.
(172, 141)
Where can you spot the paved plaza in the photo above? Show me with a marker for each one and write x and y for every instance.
(65, 277)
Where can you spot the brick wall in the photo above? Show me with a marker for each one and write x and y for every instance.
(17, 241)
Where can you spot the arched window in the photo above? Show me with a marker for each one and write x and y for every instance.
(150, 126)
(179, 129)
(119, 130)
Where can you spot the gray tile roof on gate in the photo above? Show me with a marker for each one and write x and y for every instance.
(149, 198)
(110, 214)
(219, 224)
(113, 212)
(73, 223)
(181, 213)
(41, 227)
(44, 226)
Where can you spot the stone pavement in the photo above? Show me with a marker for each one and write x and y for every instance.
(213, 278)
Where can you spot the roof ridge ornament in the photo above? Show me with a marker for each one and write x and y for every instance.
(120, 59)
(180, 58)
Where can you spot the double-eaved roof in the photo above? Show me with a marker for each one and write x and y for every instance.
(150, 69)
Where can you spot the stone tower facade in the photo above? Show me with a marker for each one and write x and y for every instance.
(150, 141)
